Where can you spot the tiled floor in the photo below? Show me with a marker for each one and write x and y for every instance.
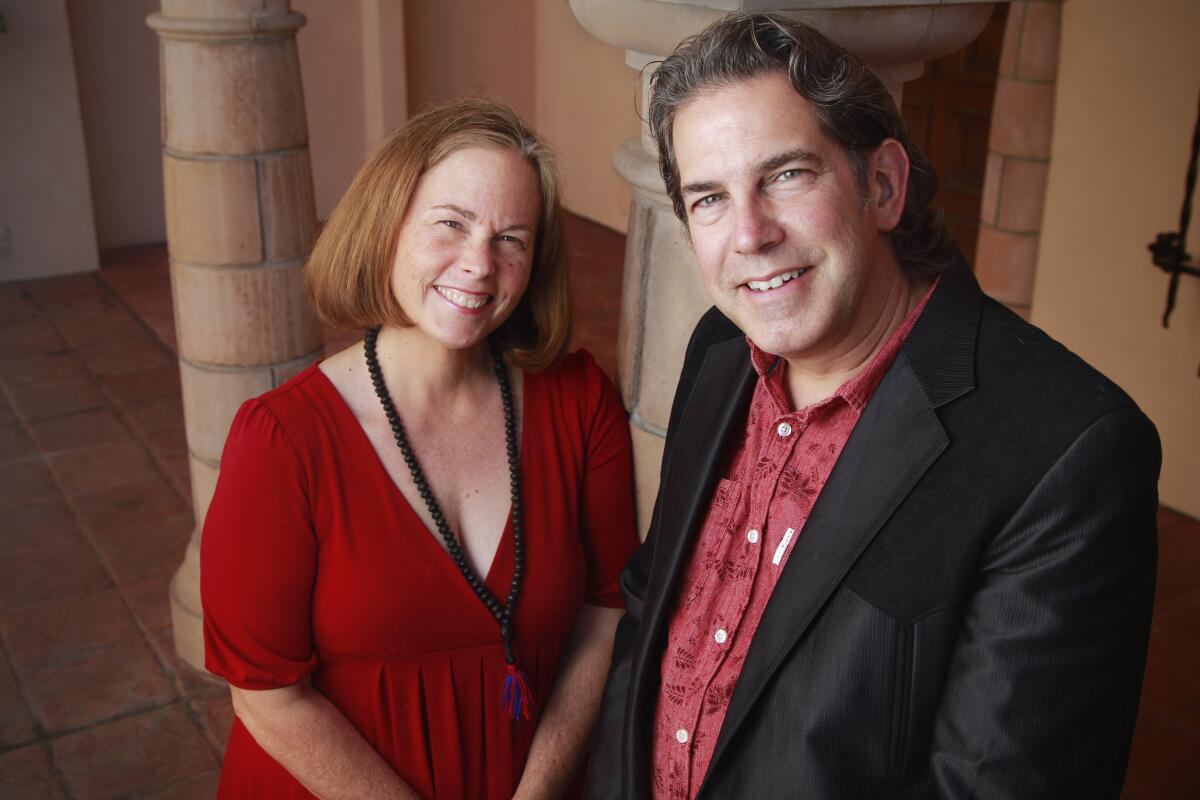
(95, 509)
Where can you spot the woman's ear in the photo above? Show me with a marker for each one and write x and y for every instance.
(888, 185)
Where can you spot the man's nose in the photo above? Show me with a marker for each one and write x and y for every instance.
(757, 229)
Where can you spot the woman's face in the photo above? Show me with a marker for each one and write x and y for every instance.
(465, 247)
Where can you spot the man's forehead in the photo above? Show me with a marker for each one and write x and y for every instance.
(744, 123)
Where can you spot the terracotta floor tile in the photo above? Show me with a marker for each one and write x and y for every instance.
(129, 387)
(1172, 675)
(1163, 765)
(8, 415)
(1169, 517)
(37, 524)
(27, 774)
(103, 467)
(56, 400)
(77, 431)
(133, 756)
(116, 330)
(189, 682)
(16, 723)
(201, 787)
(1178, 581)
(26, 481)
(217, 715)
(15, 443)
(48, 290)
(139, 550)
(149, 601)
(1148, 719)
(135, 357)
(154, 415)
(1183, 623)
(33, 337)
(16, 309)
(179, 470)
(56, 569)
(97, 685)
(61, 629)
(123, 505)
(40, 370)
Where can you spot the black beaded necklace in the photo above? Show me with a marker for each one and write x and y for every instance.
(516, 695)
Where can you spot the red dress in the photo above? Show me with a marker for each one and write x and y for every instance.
(313, 563)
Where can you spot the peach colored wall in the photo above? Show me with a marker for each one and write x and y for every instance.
(116, 66)
(45, 202)
(1127, 89)
(585, 106)
(574, 89)
(455, 47)
(330, 47)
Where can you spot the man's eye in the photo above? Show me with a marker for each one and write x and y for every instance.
(790, 174)
(707, 200)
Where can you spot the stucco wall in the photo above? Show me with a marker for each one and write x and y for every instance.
(116, 66)
(1127, 102)
(46, 203)
(574, 89)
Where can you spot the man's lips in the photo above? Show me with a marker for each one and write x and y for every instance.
(471, 301)
(775, 281)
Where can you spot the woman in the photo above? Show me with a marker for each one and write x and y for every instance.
(409, 565)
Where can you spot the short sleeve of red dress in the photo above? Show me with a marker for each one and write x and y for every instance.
(606, 502)
(258, 559)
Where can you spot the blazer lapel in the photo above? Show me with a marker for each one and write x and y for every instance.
(894, 443)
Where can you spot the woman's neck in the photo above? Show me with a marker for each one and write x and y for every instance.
(425, 373)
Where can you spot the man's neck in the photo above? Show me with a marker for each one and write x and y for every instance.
(812, 379)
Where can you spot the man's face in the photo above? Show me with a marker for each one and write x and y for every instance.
(789, 244)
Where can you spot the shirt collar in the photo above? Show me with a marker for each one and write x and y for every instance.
(857, 390)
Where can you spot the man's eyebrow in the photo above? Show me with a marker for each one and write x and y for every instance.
(701, 186)
(769, 165)
(777, 161)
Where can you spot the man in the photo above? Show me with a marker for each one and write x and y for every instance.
(904, 543)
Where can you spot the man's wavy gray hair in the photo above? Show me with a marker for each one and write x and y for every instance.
(852, 106)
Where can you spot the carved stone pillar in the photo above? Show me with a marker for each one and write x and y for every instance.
(240, 223)
(663, 297)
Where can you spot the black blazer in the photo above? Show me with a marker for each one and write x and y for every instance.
(967, 610)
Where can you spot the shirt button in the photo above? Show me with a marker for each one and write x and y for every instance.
(720, 636)
(752, 536)
(784, 430)
(681, 736)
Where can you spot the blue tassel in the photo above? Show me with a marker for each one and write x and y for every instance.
(517, 696)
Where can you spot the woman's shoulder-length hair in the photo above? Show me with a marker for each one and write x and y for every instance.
(348, 274)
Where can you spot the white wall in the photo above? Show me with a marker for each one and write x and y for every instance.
(45, 202)
(116, 67)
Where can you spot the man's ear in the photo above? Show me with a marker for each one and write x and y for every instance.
(888, 185)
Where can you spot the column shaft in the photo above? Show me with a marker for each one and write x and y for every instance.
(240, 223)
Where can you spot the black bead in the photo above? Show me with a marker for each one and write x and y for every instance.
(502, 614)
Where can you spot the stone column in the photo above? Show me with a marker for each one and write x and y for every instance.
(1014, 188)
(662, 295)
(240, 223)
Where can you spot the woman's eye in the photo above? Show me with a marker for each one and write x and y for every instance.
(512, 240)
(452, 223)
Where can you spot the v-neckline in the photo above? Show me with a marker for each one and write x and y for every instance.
(432, 537)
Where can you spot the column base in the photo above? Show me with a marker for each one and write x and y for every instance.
(187, 616)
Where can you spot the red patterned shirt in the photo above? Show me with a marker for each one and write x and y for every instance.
(772, 479)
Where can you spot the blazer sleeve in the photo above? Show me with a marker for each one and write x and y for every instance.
(1042, 689)
(606, 777)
